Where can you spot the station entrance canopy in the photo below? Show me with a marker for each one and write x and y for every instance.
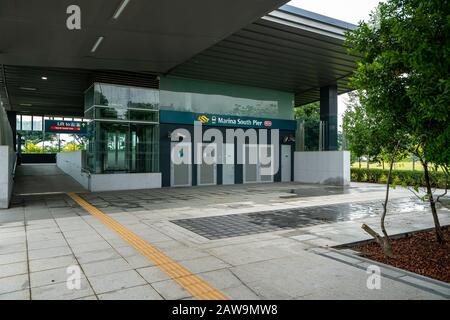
(45, 67)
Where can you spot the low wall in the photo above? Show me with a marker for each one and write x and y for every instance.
(71, 164)
(124, 181)
(7, 162)
(323, 167)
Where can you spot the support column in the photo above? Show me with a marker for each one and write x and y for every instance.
(328, 114)
(12, 118)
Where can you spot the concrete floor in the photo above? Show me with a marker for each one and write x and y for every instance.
(42, 235)
(43, 178)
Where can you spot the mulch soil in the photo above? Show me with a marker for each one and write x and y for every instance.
(419, 253)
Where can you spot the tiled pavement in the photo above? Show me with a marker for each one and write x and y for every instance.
(235, 225)
(40, 236)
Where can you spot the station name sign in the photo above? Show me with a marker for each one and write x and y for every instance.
(208, 119)
(68, 127)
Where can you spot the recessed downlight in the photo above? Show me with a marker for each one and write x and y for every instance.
(97, 43)
(120, 9)
(44, 78)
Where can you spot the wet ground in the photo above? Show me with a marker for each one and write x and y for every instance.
(319, 191)
(234, 225)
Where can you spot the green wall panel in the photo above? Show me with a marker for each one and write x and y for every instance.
(191, 95)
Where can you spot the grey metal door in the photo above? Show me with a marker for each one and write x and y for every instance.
(181, 173)
(285, 162)
(228, 164)
(206, 172)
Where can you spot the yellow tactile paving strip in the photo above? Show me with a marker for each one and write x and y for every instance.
(196, 286)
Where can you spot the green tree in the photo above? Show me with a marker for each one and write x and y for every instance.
(372, 134)
(310, 111)
(310, 115)
(404, 72)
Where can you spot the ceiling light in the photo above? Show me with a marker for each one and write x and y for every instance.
(28, 88)
(120, 9)
(97, 43)
(44, 78)
(25, 104)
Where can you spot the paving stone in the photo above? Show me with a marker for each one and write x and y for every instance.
(240, 293)
(6, 248)
(116, 281)
(86, 247)
(17, 295)
(49, 252)
(59, 291)
(13, 283)
(87, 298)
(46, 277)
(443, 288)
(52, 263)
(221, 279)
(97, 255)
(138, 261)
(105, 267)
(304, 237)
(384, 270)
(170, 290)
(153, 274)
(204, 264)
(13, 257)
(145, 292)
(12, 269)
(45, 244)
(342, 257)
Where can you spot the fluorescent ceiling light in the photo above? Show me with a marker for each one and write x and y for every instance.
(120, 9)
(97, 43)
(25, 104)
(28, 88)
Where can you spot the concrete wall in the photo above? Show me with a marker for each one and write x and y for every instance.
(124, 181)
(324, 167)
(71, 164)
(7, 162)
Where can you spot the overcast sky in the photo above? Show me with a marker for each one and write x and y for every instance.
(351, 11)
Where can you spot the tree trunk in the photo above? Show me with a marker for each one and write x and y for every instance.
(367, 162)
(446, 184)
(437, 226)
(359, 159)
(384, 242)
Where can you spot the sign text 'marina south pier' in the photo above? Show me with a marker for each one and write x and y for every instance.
(62, 126)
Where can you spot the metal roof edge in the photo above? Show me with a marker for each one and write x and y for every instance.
(317, 17)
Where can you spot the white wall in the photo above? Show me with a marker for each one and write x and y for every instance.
(71, 164)
(324, 167)
(124, 181)
(7, 162)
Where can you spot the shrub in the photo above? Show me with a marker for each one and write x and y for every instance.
(399, 177)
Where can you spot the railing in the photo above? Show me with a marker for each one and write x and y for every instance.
(310, 135)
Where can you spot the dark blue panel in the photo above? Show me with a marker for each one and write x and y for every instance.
(207, 119)
(62, 126)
